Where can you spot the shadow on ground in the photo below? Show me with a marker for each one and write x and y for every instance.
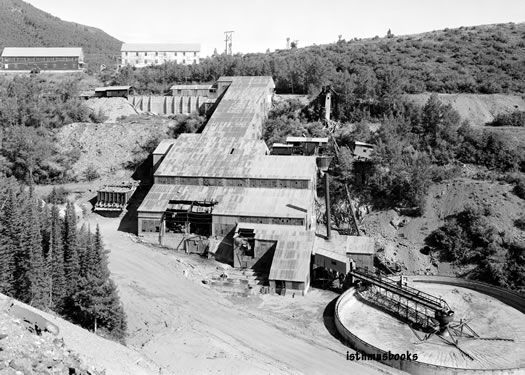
(128, 223)
(329, 321)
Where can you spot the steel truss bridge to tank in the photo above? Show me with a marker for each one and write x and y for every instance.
(419, 309)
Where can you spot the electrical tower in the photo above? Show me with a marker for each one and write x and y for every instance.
(228, 40)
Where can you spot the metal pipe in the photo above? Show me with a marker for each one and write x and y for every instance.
(327, 199)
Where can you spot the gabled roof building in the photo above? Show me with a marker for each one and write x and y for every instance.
(42, 59)
(144, 54)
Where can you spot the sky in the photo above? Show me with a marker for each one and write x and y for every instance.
(259, 25)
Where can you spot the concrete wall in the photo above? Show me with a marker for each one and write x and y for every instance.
(513, 299)
(413, 367)
(169, 105)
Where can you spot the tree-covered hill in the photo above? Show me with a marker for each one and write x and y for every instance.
(478, 59)
(23, 25)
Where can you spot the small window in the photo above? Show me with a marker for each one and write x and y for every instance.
(184, 61)
(156, 53)
(183, 53)
(136, 53)
(195, 54)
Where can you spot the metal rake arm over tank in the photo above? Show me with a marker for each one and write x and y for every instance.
(409, 293)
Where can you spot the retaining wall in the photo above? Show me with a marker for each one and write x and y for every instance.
(169, 105)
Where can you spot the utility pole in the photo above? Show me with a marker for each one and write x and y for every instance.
(228, 42)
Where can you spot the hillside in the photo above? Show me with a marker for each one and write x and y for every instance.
(23, 25)
(477, 109)
(74, 350)
(480, 59)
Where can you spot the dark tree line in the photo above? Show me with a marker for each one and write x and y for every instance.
(49, 263)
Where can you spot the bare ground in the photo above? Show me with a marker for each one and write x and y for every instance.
(403, 243)
(185, 326)
(478, 109)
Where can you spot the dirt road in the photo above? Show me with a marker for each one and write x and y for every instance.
(186, 327)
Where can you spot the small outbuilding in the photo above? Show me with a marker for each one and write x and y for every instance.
(363, 151)
(114, 92)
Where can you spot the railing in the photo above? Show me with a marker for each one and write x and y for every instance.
(409, 293)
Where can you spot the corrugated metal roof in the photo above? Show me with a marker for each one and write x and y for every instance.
(198, 164)
(282, 145)
(360, 245)
(291, 260)
(164, 146)
(190, 87)
(306, 140)
(194, 155)
(233, 200)
(112, 88)
(242, 109)
(342, 245)
(161, 47)
(357, 143)
(42, 52)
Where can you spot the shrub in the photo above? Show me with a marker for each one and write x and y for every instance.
(516, 118)
(91, 173)
(519, 188)
(57, 196)
(520, 222)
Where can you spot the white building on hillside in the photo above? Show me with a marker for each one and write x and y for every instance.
(140, 55)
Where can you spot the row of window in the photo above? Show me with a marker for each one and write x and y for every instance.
(37, 59)
(148, 61)
(271, 220)
(244, 182)
(159, 53)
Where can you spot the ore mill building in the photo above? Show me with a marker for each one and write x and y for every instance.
(252, 209)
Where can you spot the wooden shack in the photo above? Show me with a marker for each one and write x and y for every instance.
(114, 92)
(306, 145)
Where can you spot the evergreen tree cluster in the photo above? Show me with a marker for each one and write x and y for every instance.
(49, 263)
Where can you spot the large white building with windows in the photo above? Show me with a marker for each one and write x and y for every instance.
(140, 55)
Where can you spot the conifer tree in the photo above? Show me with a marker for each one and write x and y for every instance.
(37, 270)
(71, 262)
(23, 251)
(55, 259)
(8, 241)
(97, 304)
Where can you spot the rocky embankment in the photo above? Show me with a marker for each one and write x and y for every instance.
(25, 352)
